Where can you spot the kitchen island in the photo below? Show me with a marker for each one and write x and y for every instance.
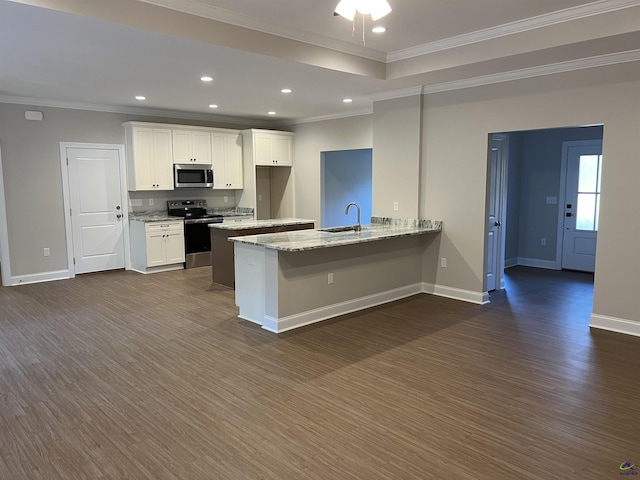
(222, 255)
(291, 279)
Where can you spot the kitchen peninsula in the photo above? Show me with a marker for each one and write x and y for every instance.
(291, 279)
(222, 255)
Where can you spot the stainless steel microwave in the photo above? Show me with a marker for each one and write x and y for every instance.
(200, 176)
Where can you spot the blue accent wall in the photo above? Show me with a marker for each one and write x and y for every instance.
(346, 177)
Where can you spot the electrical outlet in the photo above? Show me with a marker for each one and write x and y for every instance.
(543, 241)
(395, 206)
(151, 202)
(135, 202)
(443, 262)
(329, 278)
(226, 199)
(259, 198)
(552, 200)
(46, 252)
(250, 261)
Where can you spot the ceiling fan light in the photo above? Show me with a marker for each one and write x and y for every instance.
(347, 9)
(378, 9)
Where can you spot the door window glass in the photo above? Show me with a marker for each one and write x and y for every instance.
(588, 207)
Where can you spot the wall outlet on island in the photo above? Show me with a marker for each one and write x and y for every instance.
(46, 252)
(443, 262)
(329, 278)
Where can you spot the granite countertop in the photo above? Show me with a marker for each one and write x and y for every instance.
(232, 212)
(276, 222)
(153, 216)
(379, 229)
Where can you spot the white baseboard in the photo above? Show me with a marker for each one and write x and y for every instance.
(40, 277)
(535, 262)
(510, 262)
(613, 324)
(479, 298)
(159, 269)
(312, 316)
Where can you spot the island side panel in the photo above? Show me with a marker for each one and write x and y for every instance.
(250, 281)
(364, 275)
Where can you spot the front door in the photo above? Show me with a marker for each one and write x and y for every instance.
(583, 164)
(95, 198)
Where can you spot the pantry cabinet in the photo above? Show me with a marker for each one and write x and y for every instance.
(226, 158)
(149, 157)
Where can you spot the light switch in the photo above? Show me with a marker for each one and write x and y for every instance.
(552, 200)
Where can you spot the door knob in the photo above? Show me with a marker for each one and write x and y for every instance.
(569, 214)
(118, 216)
(497, 223)
(117, 207)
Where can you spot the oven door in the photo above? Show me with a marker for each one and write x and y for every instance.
(197, 240)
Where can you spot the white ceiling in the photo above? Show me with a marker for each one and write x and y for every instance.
(99, 54)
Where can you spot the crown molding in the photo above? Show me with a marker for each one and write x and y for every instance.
(405, 92)
(322, 118)
(194, 7)
(553, 68)
(574, 13)
(148, 112)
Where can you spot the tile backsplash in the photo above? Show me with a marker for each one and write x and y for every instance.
(150, 201)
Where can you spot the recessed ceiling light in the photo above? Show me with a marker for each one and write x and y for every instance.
(213, 105)
(140, 97)
(271, 113)
(378, 29)
(286, 90)
(206, 78)
(347, 100)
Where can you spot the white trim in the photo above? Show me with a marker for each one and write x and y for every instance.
(95, 107)
(5, 262)
(41, 277)
(405, 92)
(479, 298)
(613, 324)
(540, 21)
(521, 74)
(323, 118)
(290, 322)
(200, 9)
(158, 269)
(124, 201)
(510, 262)
(537, 263)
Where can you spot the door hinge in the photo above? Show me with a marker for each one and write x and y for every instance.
(70, 212)
(74, 261)
(67, 161)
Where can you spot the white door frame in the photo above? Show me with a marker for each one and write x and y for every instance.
(566, 145)
(4, 233)
(503, 159)
(67, 199)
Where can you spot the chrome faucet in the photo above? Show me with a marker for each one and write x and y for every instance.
(357, 227)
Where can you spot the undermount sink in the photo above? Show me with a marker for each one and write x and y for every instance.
(347, 228)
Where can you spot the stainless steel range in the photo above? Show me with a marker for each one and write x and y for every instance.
(197, 239)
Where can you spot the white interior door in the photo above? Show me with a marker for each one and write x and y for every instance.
(583, 166)
(497, 202)
(95, 197)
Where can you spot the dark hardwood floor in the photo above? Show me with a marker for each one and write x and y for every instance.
(124, 376)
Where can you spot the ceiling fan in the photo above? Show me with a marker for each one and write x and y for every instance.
(348, 9)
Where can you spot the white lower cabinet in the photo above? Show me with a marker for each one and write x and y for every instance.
(157, 246)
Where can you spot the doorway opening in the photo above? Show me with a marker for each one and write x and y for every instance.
(346, 176)
(535, 206)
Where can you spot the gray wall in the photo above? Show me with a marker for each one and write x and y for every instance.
(33, 177)
(346, 177)
(535, 161)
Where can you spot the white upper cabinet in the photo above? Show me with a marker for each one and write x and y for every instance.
(191, 146)
(271, 148)
(150, 157)
(226, 157)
